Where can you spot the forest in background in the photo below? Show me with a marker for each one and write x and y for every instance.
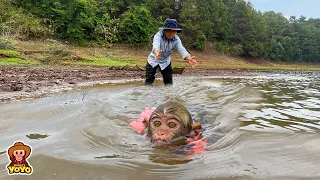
(232, 27)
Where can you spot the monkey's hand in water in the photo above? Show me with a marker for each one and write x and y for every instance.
(196, 126)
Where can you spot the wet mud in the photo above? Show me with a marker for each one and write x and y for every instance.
(25, 82)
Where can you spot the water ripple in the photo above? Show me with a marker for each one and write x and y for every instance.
(257, 127)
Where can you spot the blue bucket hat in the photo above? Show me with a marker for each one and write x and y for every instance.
(171, 24)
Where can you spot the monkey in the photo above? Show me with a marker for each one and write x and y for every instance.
(168, 122)
(170, 127)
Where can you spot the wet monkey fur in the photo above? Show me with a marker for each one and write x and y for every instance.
(168, 122)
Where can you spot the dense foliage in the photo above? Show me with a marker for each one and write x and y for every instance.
(233, 26)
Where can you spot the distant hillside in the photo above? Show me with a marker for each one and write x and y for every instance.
(54, 53)
(232, 27)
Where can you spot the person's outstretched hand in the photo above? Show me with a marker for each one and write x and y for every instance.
(191, 61)
(157, 54)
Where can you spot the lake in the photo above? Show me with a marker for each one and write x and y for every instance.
(264, 126)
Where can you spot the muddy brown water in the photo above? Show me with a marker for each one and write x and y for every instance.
(258, 127)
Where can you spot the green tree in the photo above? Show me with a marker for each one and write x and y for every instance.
(17, 22)
(292, 49)
(136, 26)
(106, 29)
(214, 19)
(161, 9)
(307, 35)
(248, 28)
(234, 26)
(278, 27)
(189, 18)
(79, 21)
(117, 7)
(189, 21)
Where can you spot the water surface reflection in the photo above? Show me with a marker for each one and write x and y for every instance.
(258, 127)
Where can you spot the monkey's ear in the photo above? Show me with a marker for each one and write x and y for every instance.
(196, 126)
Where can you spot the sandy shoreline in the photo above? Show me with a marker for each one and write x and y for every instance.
(23, 82)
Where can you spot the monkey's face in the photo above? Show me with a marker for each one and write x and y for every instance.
(18, 154)
(163, 129)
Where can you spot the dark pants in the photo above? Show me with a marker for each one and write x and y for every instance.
(166, 74)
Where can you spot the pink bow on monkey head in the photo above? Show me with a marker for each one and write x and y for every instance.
(144, 116)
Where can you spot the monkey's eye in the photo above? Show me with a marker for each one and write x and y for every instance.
(172, 125)
(157, 123)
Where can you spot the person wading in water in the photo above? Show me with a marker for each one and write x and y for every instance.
(164, 43)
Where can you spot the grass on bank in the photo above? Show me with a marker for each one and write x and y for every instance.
(17, 62)
(98, 62)
(9, 53)
(13, 58)
(123, 55)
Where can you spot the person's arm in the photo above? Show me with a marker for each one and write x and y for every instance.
(184, 53)
(156, 46)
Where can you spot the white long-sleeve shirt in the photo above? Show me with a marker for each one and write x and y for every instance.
(160, 43)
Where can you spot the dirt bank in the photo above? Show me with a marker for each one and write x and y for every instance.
(22, 82)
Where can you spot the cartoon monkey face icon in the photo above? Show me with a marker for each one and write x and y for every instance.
(18, 154)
